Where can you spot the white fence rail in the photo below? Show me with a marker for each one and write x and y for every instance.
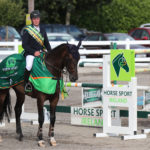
(7, 48)
(107, 51)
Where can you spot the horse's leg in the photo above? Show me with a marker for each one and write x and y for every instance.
(1, 138)
(2, 98)
(40, 104)
(3, 94)
(53, 104)
(18, 110)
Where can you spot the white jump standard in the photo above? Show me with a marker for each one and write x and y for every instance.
(116, 96)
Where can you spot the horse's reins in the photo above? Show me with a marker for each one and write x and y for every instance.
(49, 64)
(46, 62)
(56, 68)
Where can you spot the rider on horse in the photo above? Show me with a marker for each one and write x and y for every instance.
(34, 40)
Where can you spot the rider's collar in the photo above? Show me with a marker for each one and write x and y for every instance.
(37, 27)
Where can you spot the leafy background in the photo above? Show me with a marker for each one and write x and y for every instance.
(96, 15)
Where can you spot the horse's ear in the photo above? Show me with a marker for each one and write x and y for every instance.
(79, 44)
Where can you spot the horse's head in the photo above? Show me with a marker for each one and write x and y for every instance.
(120, 62)
(65, 55)
(71, 62)
(123, 63)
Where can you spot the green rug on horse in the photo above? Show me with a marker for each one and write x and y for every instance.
(12, 73)
(42, 79)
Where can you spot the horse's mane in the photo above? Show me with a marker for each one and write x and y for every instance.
(65, 46)
(57, 48)
(55, 52)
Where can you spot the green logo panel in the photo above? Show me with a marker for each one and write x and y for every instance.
(122, 65)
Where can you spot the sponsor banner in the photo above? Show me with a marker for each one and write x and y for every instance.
(91, 97)
(28, 20)
(117, 96)
(122, 65)
(87, 116)
(147, 97)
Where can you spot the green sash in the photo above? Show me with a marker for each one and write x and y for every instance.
(35, 34)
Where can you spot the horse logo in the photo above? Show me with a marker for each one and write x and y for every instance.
(10, 65)
(120, 62)
(11, 62)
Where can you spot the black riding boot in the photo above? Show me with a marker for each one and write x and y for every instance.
(27, 84)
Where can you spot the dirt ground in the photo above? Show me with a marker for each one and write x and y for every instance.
(71, 137)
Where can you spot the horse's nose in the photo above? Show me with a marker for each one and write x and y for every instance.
(127, 69)
(73, 79)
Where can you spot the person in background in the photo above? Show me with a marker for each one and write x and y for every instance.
(34, 40)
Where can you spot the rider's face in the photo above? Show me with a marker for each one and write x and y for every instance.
(36, 21)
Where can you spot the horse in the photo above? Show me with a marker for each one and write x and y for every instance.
(63, 56)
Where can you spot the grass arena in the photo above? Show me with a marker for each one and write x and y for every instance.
(72, 137)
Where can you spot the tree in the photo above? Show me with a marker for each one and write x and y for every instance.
(56, 11)
(87, 14)
(97, 15)
(123, 15)
(30, 6)
(11, 13)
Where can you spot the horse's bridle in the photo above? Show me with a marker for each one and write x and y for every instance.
(49, 64)
(64, 71)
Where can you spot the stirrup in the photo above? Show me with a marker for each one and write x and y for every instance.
(28, 87)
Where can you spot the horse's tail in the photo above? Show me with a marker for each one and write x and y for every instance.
(6, 109)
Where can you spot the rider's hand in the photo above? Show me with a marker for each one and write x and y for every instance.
(37, 53)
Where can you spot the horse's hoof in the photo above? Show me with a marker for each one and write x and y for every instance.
(20, 137)
(52, 141)
(1, 139)
(41, 143)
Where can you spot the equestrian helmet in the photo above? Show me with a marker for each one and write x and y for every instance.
(35, 14)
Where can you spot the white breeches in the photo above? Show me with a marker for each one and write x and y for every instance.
(29, 62)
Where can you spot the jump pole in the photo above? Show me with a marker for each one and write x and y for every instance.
(96, 85)
(79, 84)
(32, 117)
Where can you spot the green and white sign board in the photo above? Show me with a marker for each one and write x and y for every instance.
(122, 65)
(119, 96)
(146, 100)
(147, 97)
(87, 116)
(91, 97)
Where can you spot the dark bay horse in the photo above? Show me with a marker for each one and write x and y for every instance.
(63, 56)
